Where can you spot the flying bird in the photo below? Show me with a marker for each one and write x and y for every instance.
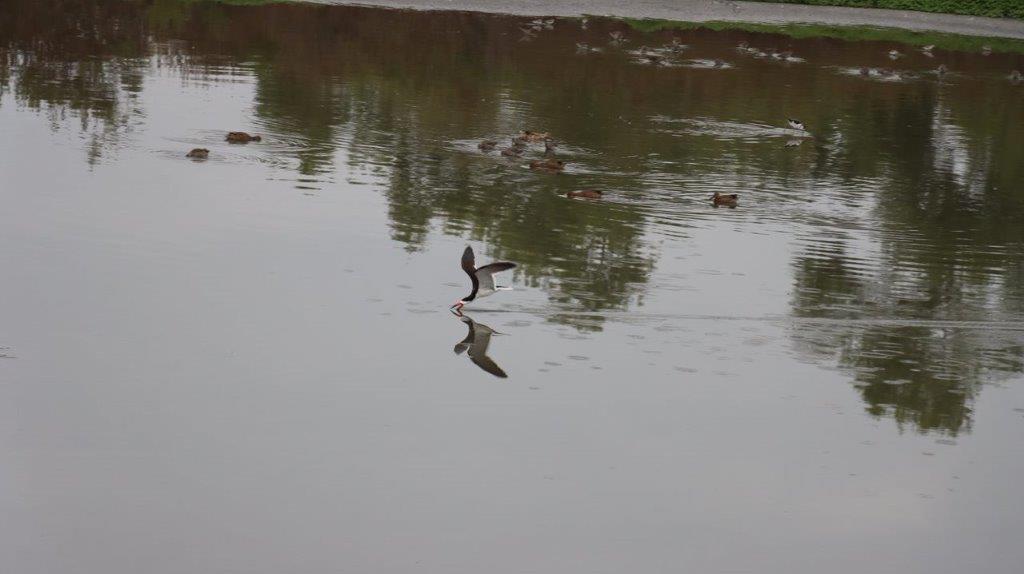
(481, 277)
(797, 125)
(476, 342)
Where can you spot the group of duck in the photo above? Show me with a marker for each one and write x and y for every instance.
(665, 54)
(520, 143)
(201, 153)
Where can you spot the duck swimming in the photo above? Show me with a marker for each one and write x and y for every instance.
(513, 151)
(727, 199)
(584, 194)
(241, 137)
(198, 153)
(487, 145)
(547, 164)
(549, 147)
(532, 137)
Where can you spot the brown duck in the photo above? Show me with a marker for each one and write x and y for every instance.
(198, 153)
(532, 137)
(584, 194)
(241, 137)
(547, 164)
(515, 150)
(487, 145)
(727, 199)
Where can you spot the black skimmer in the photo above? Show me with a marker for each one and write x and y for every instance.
(482, 278)
(796, 124)
(476, 342)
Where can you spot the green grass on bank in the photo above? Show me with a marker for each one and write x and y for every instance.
(993, 8)
(953, 42)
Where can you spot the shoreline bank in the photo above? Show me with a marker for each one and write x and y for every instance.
(723, 11)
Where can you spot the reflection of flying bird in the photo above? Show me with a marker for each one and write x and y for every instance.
(481, 277)
(476, 342)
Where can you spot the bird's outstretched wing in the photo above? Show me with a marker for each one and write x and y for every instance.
(488, 365)
(478, 350)
(464, 344)
(485, 274)
(468, 261)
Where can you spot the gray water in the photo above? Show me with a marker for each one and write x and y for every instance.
(246, 364)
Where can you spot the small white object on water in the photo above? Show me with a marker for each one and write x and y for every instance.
(797, 125)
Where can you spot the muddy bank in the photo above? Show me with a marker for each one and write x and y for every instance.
(706, 11)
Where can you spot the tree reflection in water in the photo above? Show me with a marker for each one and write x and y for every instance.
(905, 206)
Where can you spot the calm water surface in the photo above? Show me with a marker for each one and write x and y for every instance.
(246, 364)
